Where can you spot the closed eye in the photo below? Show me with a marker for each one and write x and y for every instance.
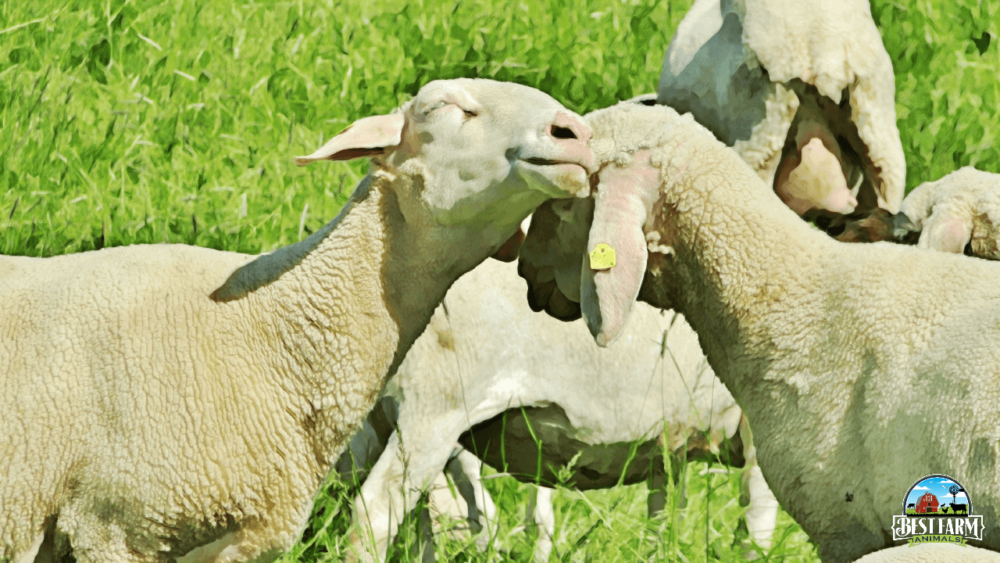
(435, 107)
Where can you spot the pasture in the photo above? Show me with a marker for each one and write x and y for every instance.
(176, 121)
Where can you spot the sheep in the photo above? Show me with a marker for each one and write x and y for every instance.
(803, 90)
(179, 402)
(484, 352)
(962, 208)
(956, 213)
(849, 361)
(932, 553)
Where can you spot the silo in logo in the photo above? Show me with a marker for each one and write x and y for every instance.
(937, 508)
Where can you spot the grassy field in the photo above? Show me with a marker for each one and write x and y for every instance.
(176, 121)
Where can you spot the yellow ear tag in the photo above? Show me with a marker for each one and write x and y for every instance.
(602, 258)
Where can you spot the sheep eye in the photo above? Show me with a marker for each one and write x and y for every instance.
(436, 107)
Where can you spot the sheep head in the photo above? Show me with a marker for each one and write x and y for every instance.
(956, 212)
(550, 259)
(561, 257)
(487, 154)
(590, 256)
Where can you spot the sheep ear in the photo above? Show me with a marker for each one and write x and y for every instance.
(365, 137)
(612, 274)
(510, 249)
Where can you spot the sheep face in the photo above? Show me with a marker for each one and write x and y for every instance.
(479, 134)
(957, 211)
(486, 154)
(557, 249)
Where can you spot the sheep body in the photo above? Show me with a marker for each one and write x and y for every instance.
(249, 454)
(172, 402)
(861, 368)
(761, 74)
(485, 352)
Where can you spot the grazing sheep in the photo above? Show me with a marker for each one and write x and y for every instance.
(170, 401)
(861, 368)
(485, 352)
(804, 91)
(957, 213)
(962, 208)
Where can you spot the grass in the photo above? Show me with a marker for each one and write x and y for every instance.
(176, 121)
(607, 525)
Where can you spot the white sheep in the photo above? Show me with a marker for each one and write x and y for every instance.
(861, 368)
(485, 352)
(169, 401)
(803, 90)
(956, 213)
(962, 208)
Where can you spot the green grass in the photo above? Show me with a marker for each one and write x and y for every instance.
(606, 526)
(176, 121)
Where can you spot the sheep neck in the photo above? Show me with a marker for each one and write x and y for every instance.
(742, 257)
(364, 288)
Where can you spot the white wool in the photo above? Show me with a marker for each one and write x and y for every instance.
(763, 150)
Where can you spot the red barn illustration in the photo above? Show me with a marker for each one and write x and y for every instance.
(927, 503)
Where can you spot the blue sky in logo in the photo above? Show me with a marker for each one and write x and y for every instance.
(938, 486)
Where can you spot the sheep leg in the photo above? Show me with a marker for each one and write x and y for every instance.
(544, 521)
(656, 499)
(258, 541)
(424, 547)
(678, 471)
(97, 540)
(264, 538)
(762, 508)
(394, 485)
(465, 470)
(28, 555)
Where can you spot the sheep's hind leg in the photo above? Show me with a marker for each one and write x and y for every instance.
(261, 539)
(465, 470)
(656, 483)
(53, 548)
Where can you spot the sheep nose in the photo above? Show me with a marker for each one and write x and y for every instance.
(571, 134)
(566, 126)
